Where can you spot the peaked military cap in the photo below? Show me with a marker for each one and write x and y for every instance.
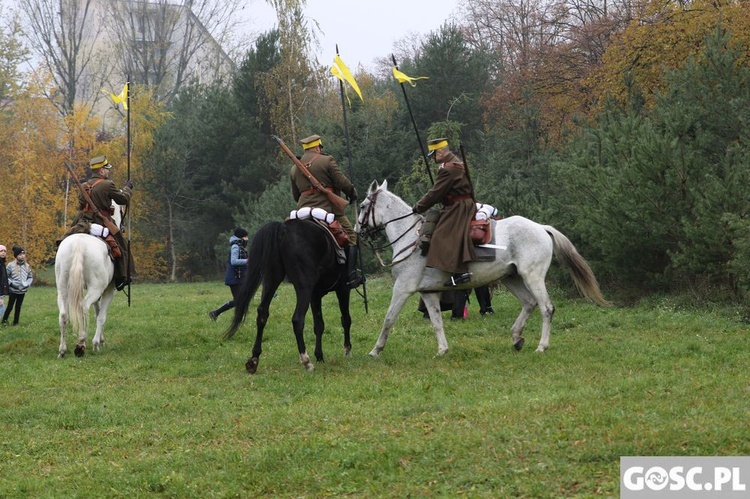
(435, 144)
(311, 141)
(99, 162)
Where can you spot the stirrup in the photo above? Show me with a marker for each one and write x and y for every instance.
(355, 279)
(121, 283)
(457, 279)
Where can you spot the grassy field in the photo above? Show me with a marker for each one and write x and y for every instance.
(166, 409)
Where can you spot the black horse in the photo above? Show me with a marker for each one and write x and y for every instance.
(304, 253)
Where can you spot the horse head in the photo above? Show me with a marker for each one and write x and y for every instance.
(390, 208)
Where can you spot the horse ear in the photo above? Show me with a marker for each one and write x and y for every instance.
(384, 185)
(373, 186)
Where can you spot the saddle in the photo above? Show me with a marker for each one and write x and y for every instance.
(103, 233)
(326, 221)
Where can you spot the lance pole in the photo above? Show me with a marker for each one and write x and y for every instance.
(128, 101)
(351, 179)
(414, 123)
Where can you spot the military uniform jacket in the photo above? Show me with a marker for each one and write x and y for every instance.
(451, 247)
(102, 194)
(327, 172)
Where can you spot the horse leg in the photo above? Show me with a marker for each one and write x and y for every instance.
(63, 319)
(516, 286)
(546, 309)
(319, 325)
(432, 303)
(397, 303)
(100, 308)
(304, 295)
(343, 293)
(269, 288)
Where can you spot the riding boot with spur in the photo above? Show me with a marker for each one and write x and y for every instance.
(355, 277)
(457, 279)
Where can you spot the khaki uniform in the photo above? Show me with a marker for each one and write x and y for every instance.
(324, 168)
(102, 193)
(451, 248)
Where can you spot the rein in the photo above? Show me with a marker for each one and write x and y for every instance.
(369, 232)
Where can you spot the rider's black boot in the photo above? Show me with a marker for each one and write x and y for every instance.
(355, 277)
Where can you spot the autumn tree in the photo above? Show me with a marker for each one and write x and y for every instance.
(63, 35)
(661, 192)
(12, 54)
(164, 44)
(659, 40)
(31, 169)
(295, 79)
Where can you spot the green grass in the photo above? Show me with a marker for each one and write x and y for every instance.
(167, 409)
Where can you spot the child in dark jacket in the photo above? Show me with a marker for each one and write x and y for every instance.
(236, 267)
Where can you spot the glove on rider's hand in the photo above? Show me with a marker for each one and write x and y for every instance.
(353, 197)
(128, 184)
(414, 209)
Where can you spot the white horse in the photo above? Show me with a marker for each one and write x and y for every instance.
(83, 273)
(518, 255)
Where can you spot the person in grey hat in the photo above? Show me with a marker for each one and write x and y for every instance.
(236, 268)
(102, 192)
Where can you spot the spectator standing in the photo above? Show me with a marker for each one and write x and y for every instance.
(20, 278)
(3, 278)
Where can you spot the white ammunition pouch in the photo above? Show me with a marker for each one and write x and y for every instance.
(98, 230)
(317, 213)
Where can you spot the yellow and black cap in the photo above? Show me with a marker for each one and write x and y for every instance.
(311, 141)
(435, 144)
(99, 162)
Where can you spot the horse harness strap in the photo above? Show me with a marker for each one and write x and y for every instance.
(87, 208)
(312, 190)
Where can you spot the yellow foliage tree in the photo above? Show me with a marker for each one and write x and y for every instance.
(29, 168)
(662, 39)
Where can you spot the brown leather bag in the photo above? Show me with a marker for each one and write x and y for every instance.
(479, 231)
(342, 238)
(114, 248)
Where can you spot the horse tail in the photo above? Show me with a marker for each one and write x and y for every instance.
(263, 249)
(76, 285)
(579, 269)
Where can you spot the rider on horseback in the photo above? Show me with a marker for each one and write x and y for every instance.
(325, 169)
(451, 248)
(102, 192)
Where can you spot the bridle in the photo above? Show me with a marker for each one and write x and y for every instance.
(369, 231)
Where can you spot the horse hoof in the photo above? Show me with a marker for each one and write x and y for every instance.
(347, 351)
(374, 353)
(541, 349)
(80, 350)
(61, 355)
(309, 367)
(518, 345)
(441, 352)
(252, 365)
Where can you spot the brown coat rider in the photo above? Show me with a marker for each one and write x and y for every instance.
(102, 191)
(451, 248)
(326, 171)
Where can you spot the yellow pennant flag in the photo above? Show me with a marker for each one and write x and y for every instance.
(402, 78)
(122, 98)
(341, 71)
